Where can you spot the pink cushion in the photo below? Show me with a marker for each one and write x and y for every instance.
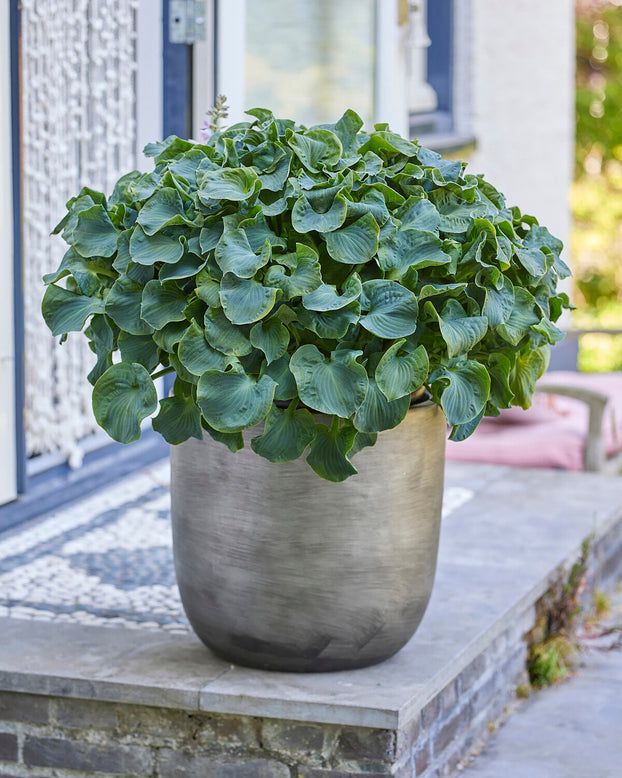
(551, 433)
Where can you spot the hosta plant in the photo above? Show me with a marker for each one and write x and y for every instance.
(311, 279)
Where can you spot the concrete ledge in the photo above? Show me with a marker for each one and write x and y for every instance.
(499, 553)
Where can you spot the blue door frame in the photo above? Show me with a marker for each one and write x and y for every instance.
(40, 494)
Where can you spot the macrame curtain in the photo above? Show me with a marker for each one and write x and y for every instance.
(78, 63)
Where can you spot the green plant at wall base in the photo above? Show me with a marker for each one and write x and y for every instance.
(279, 271)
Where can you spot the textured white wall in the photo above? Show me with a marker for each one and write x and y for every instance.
(522, 102)
(7, 362)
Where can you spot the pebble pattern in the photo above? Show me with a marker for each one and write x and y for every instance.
(107, 560)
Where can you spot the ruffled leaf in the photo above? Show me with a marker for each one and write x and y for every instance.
(245, 300)
(287, 434)
(196, 355)
(122, 398)
(391, 309)
(328, 455)
(233, 401)
(400, 372)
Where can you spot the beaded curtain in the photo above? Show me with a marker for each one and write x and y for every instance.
(78, 64)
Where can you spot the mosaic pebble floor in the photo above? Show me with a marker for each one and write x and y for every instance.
(107, 560)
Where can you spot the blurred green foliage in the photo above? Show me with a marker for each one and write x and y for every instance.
(597, 190)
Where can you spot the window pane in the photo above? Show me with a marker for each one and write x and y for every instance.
(310, 60)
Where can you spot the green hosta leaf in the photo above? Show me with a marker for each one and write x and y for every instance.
(346, 129)
(463, 431)
(533, 260)
(549, 331)
(170, 335)
(539, 236)
(361, 441)
(140, 349)
(272, 337)
(231, 402)
(372, 203)
(287, 434)
(83, 270)
(227, 184)
(196, 355)
(94, 235)
(179, 419)
(392, 309)
(224, 336)
(163, 209)
(420, 214)
(521, 319)
(400, 372)
(146, 250)
(316, 149)
(209, 292)
(330, 324)
(411, 248)
(499, 368)
(334, 385)
(326, 298)
(123, 306)
(65, 311)
(234, 255)
(328, 452)
(189, 265)
(122, 398)
(245, 301)
(305, 218)
(258, 232)
(498, 303)
(279, 371)
(162, 303)
(433, 290)
(460, 332)
(232, 440)
(101, 335)
(274, 178)
(466, 391)
(306, 276)
(456, 214)
(377, 413)
(356, 243)
(528, 368)
(210, 235)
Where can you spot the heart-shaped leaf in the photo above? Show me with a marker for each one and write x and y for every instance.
(316, 149)
(179, 419)
(328, 452)
(400, 372)
(164, 208)
(528, 368)
(234, 254)
(123, 306)
(335, 385)
(162, 303)
(227, 184)
(224, 336)
(460, 332)
(391, 309)
(272, 337)
(305, 218)
(94, 235)
(521, 319)
(147, 250)
(411, 248)
(467, 386)
(65, 311)
(305, 276)
(233, 401)
(377, 413)
(245, 300)
(122, 398)
(356, 243)
(326, 297)
(288, 432)
(498, 303)
(140, 349)
(196, 355)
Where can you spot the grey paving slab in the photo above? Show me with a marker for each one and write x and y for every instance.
(108, 664)
(498, 549)
(573, 730)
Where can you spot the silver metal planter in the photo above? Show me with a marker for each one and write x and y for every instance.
(281, 570)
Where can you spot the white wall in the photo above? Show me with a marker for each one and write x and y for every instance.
(7, 359)
(522, 102)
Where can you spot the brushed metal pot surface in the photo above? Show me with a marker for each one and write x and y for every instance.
(281, 570)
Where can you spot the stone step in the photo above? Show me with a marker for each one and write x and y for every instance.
(135, 701)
